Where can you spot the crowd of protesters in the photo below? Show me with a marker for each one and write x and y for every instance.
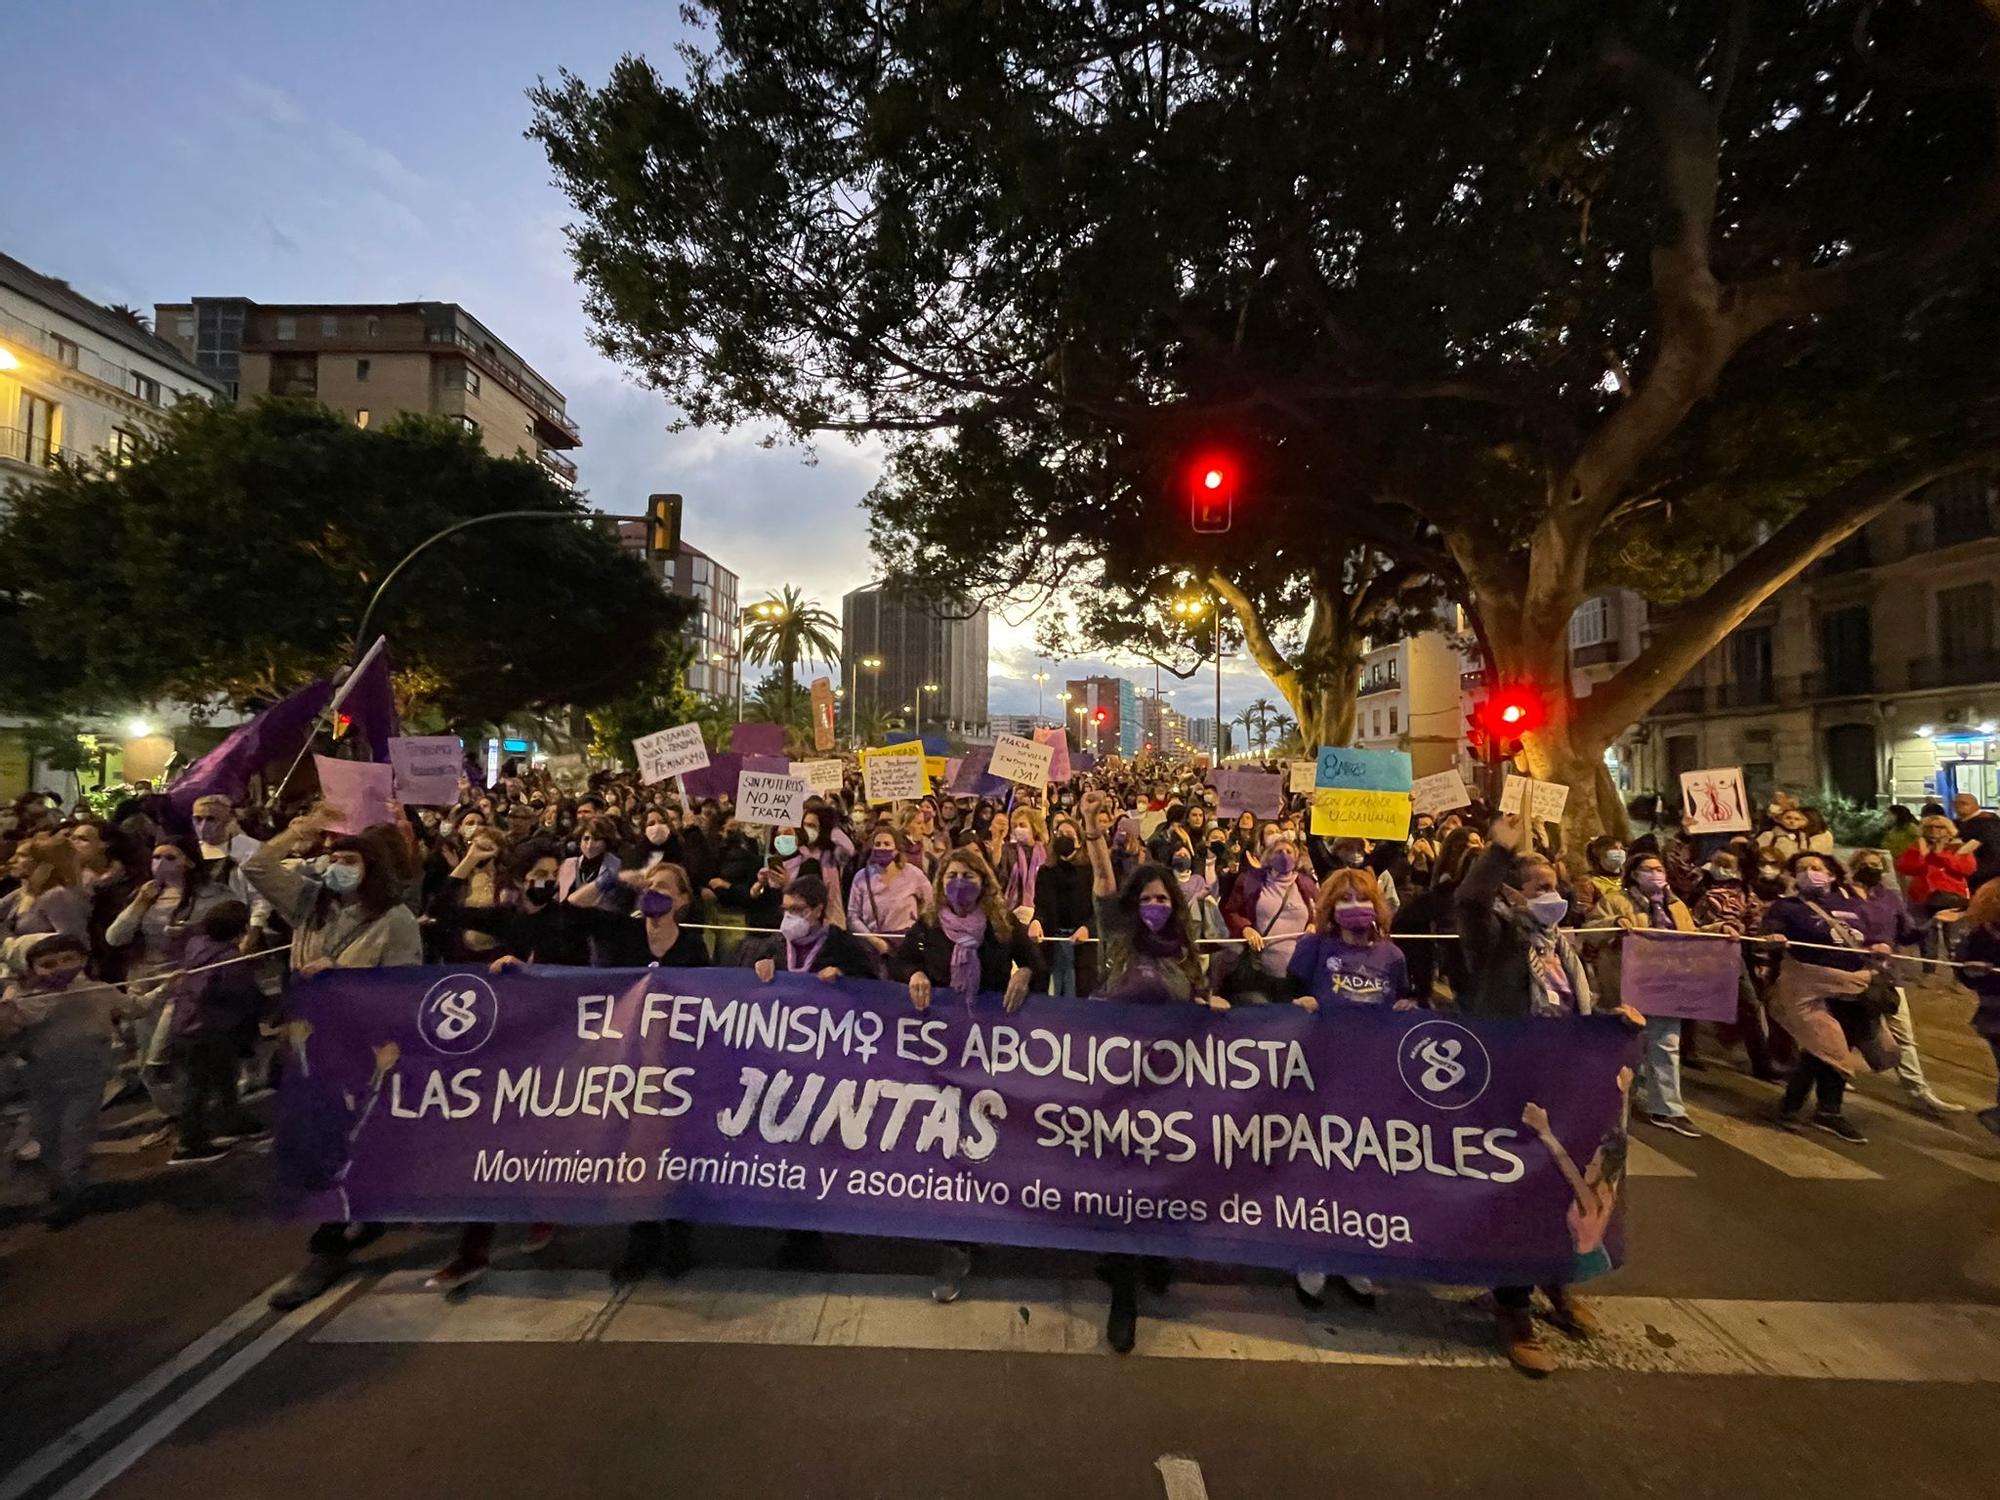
(151, 952)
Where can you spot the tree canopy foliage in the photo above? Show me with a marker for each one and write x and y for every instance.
(1546, 295)
(236, 551)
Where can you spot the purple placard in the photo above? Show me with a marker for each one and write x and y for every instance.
(717, 778)
(1668, 974)
(1259, 792)
(1358, 1140)
(758, 739)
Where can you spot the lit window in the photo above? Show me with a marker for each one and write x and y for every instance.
(329, 326)
(361, 369)
(361, 417)
(288, 326)
(124, 445)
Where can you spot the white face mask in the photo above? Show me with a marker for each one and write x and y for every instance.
(796, 928)
(1549, 908)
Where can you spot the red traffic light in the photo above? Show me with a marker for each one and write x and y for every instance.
(1100, 716)
(1508, 713)
(1211, 483)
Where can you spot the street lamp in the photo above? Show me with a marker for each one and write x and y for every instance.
(873, 664)
(922, 688)
(1040, 678)
(1192, 609)
(769, 609)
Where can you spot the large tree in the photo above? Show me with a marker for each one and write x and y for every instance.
(234, 554)
(1682, 294)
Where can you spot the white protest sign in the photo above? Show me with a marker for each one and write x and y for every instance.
(821, 776)
(1303, 773)
(360, 791)
(1020, 760)
(1715, 801)
(1439, 793)
(766, 797)
(670, 752)
(893, 778)
(426, 769)
(1537, 801)
(1513, 792)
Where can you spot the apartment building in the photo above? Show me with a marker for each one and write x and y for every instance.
(1104, 715)
(922, 650)
(1414, 694)
(372, 361)
(77, 377)
(716, 665)
(1877, 675)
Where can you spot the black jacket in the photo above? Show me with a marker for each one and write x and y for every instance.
(551, 935)
(1495, 951)
(618, 941)
(926, 947)
(842, 950)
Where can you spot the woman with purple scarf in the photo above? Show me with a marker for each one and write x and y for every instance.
(806, 942)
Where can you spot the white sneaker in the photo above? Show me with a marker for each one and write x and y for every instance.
(1937, 1104)
(1312, 1283)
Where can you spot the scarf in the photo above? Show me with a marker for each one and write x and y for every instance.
(799, 960)
(1549, 949)
(1194, 888)
(1021, 873)
(966, 933)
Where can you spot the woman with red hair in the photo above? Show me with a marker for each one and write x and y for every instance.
(1347, 957)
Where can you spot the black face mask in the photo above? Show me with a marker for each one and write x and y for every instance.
(1868, 875)
(541, 892)
(1064, 846)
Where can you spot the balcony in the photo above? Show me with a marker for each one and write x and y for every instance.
(22, 447)
(548, 415)
(1955, 671)
(66, 355)
(1682, 700)
(563, 470)
(1759, 692)
(1849, 680)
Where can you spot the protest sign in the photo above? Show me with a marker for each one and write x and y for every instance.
(1259, 792)
(822, 713)
(1439, 793)
(823, 777)
(1671, 974)
(1536, 801)
(361, 792)
(716, 779)
(757, 739)
(670, 752)
(1363, 794)
(894, 773)
(1022, 761)
(773, 799)
(1304, 775)
(1363, 1141)
(1057, 740)
(1715, 801)
(425, 769)
(936, 768)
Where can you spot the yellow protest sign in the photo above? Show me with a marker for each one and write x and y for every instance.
(1353, 813)
(934, 769)
(893, 773)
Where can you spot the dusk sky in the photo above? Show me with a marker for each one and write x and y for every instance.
(373, 152)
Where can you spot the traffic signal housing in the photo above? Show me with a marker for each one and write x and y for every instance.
(1511, 710)
(663, 526)
(1211, 486)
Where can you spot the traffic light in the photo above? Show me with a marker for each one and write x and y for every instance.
(1496, 726)
(1100, 716)
(341, 724)
(663, 526)
(1211, 484)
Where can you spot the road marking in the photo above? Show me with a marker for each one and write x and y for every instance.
(168, 1419)
(1642, 1160)
(1791, 1154)
(1194, 1320)
(1986, 1168)
(51, 1457)
(1182, 1477)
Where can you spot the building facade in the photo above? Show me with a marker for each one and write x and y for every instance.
(1201, 736)
(1875, 676)
(1022, 725)
(1414, 695)
(1163, 729)
(372, 361)
(921, 650)
(1104, 715)
(715, 667)
(78, 379)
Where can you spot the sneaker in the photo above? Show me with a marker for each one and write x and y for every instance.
(28, 1153)
(1990, 1118)
(1841, 1126)
(456, 1277)
(1675, 1125)
(1935, 1104)
(956, 1266)
(189, 1156)
(1310, 1288)
(242, 1134)
(306, 1283)
(1358, 1289)
(1785, 1119)
(1572, 1314)
(540, 1237)
(1522, 1343)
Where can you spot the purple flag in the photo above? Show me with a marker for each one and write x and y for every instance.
(1668, 974)
(757, 739)
(1413, 1146)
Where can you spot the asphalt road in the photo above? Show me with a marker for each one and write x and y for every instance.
(1797, 1316)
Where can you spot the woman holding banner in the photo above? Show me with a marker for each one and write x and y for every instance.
(1270, 908)
(889, 893)
(1149, 956)
(1522, 962)
(1644, 901)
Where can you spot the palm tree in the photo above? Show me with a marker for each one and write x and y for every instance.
(1258, 718)
(786, 627)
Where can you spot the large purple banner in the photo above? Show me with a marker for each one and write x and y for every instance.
(1409, 1144)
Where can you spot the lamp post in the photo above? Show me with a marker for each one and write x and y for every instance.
(1191, 610)
(1040, 678)
(922, 688)
(873, 664)
(770, 609)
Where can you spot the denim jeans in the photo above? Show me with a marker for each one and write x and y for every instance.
(1062, 969)
(1661, 1070)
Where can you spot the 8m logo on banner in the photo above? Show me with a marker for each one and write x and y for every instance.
(458, 1014)
(1444, 1064)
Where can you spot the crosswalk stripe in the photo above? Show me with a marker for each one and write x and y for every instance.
(1986, 1168)
(1411, 1327)
(1791, 1154)
(1642, 1160)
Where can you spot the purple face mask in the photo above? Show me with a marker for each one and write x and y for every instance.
(1355, 918)
(1279, 862)
(881, 859)
(961, 893)
(1651, 881)
(1813, 882)
(1156, 916)
(655, 903)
